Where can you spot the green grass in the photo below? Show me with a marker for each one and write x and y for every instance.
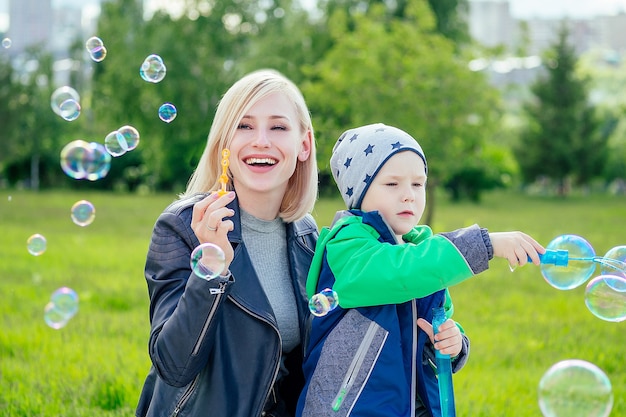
(95, 366)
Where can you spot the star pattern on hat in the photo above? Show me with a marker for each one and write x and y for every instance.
(369, 149)
(396, 145)
(354, 137)
(347, 163)
(350, 191)
(367, 179)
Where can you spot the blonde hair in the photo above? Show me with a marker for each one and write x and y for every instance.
(302, 188)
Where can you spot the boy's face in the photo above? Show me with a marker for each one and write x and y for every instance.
(398, 192)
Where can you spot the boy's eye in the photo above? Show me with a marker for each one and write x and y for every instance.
(391, 184)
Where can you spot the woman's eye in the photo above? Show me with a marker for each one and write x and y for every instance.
(279, 127)
(244, 126)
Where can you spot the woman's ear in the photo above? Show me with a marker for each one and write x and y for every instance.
(305, 150)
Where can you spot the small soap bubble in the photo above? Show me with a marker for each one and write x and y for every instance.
(95, 47)
(69, 110)
(167, 112)
(208, 261)
(323, 302)
(53, 317)
(577, 272)
(6, 43)
(153, 69)
(130, 135)
(65, 102)
(85, 160)
(62, 307)
(575, 388)
(36, 244)
(605, 297)
(83, 213)
(115, 143)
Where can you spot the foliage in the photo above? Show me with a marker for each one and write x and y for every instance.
(564, 139)
(402, 72)
(95, 366)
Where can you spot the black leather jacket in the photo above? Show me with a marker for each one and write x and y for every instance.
(214, 345)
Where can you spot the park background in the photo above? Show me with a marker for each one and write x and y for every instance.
(547, 157)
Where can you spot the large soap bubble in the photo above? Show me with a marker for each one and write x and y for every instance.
(605, 297)
(575, 388)
(577, 271)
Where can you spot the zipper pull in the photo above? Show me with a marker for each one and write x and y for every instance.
(339, 398)
(220, 290)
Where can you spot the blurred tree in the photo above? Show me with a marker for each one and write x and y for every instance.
(34, 133)
(564, 139)
(401, 72)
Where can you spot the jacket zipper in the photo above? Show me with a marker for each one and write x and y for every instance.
(219, 291)
(185, 397)
(355, 366)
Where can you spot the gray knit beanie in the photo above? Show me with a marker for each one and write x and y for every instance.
(359, 154)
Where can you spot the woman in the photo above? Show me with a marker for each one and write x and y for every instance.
(232, 346)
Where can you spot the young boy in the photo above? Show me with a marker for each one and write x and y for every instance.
(373, 355)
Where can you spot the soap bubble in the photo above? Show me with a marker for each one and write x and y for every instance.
(577, 272)
(115, 143)
(65, 102)
(6, 43)
(62, 307)
(36, 244)
(95, 47)
(130, 135)
(208, 261)
(153, 69)
(605, 297)
(167, 112)
(323, 302)
(575, 388)
(83, 213)
(85, 160)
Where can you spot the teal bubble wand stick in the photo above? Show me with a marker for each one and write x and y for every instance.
(444, 370)
(560, 257)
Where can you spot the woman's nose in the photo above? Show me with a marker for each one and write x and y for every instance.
(262, 139)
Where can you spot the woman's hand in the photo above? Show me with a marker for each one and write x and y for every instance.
(210, 224)
(448, 340)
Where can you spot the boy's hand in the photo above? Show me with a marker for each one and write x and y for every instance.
(516, 247)
(448, 341)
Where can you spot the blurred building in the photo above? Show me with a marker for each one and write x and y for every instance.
(524, 41)
(30, 24)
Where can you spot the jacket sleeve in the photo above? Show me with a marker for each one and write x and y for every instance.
(181, 304)
(368, 272)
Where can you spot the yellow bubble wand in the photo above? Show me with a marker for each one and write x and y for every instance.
(224, 176)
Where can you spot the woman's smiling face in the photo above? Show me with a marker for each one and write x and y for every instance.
(266, 147)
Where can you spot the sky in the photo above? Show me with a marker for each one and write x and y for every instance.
(521, 9)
